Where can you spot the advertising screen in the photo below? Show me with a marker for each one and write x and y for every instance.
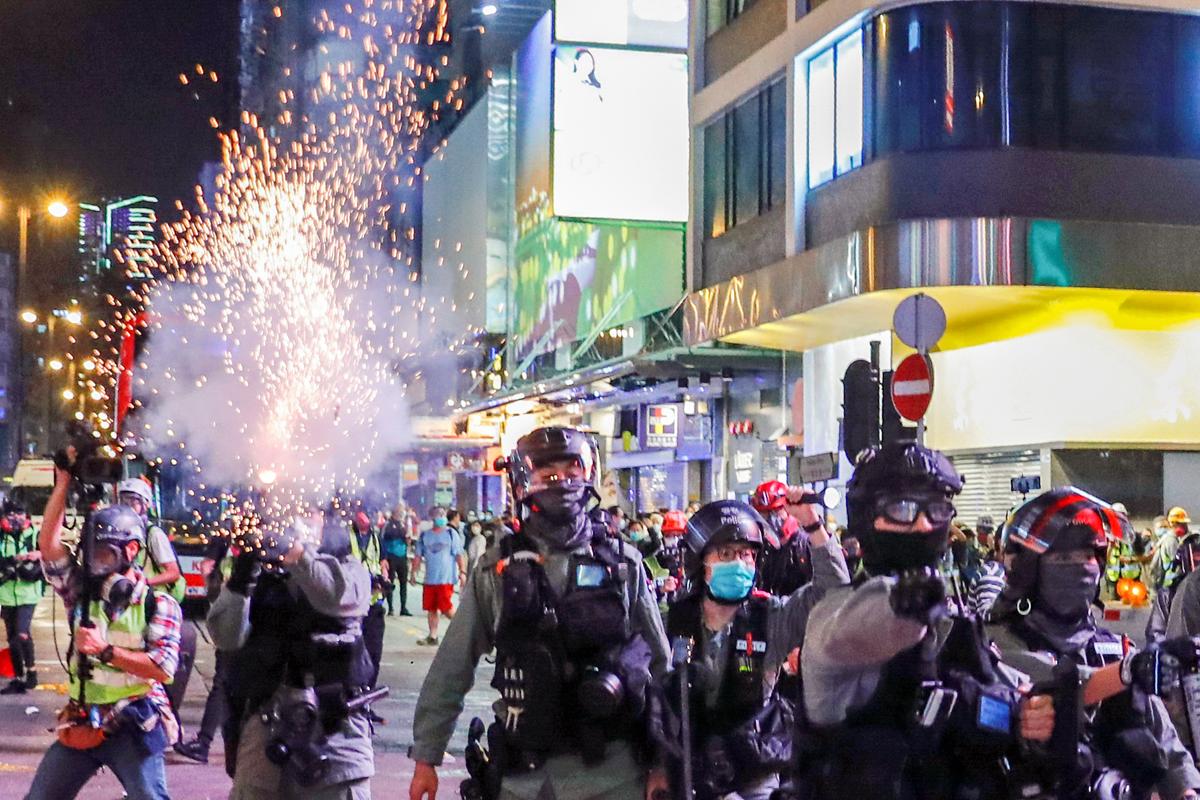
(575, 278)
(532, 69)
(648, 23)
(620, 134)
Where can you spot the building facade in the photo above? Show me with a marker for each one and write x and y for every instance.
(1031, 165)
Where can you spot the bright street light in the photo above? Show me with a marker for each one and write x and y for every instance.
(489, 9)
(29, 316)
(74, 317)
(68, 394)
(55, 364)
(88, 365)
(58, 209)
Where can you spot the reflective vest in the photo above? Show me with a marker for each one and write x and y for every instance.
(18, 592)
(148, 565)
(371, 558)
(128, 631)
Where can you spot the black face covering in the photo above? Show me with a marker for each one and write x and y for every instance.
(559, 504)
(1066, 590)
(886, 552)
(558, 535)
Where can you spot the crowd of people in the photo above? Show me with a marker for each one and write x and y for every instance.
(730, 650)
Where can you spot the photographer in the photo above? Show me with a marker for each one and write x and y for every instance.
(290, 617)
(20, 591)
(128, 638)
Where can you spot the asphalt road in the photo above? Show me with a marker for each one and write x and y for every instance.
(25, 720)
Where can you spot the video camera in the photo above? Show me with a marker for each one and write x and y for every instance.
(89, 470)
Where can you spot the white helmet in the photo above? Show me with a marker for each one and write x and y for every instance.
(138, 487)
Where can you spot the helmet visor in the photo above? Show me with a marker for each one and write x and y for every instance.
(562, 471)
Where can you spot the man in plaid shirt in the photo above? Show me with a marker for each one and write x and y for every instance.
(133, 644)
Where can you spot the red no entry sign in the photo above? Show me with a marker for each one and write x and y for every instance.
(912, 387)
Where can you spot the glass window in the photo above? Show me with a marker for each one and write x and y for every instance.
(776, 186)
(747, 160)
(820, 118)
(849, 113)
(714, 178)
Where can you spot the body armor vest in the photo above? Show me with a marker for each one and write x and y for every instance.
(569, 668)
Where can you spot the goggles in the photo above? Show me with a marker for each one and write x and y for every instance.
(904, 510)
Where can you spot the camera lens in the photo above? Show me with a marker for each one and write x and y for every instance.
(278, 752)
(600, 693)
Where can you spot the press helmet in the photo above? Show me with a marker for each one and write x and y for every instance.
(898, 469)
(138, 487)
(769, 496)
(719, 523)
(674, 522)
(112, 528)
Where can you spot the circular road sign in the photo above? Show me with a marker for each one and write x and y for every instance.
(919, 321)
(912, 387)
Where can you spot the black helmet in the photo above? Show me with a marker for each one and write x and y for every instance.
(721, 522)
(550, 445)
(899, 468)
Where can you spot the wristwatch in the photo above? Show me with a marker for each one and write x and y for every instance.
(106, 655)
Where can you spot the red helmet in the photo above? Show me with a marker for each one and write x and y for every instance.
(362, 522)
(769, 496)
(674, 522)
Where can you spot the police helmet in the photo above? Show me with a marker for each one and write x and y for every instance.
(545, 446)
(896, 467)
(1060, 520)
(718, 523)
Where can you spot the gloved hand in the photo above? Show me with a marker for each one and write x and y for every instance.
(1186, 649)
(1153, 670)
(244, 572)
(918, 594)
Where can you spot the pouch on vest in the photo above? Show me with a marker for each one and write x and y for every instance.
(593, 615)
(75, 729)
(530, 680)
(764, 742)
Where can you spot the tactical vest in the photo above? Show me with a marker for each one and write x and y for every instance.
(1118, 729)
(280, 649)
(908, 741)
(107, 683)
(569, 668)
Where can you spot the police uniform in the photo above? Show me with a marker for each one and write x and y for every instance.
(272, 636)
(477, 628)
(735, 671)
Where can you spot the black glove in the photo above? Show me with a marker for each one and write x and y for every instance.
(1153, 670)
(244, 572)
(918, 594)
(1186, 649)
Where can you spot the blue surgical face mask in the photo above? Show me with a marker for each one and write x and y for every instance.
(731, 580)
(440, 522)
(637, 535)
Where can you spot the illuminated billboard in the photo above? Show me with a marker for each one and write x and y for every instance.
(576, 278)
(620, 134)
(647, 23)
(532, 70)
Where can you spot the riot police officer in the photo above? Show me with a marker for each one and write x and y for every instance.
(894, 687)
(577, 635)
(1055, 546)
(786, 560)
(290, 618)
(740, 728)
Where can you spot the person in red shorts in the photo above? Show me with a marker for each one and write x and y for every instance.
(439, 549)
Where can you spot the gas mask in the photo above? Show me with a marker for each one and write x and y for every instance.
(115, 592)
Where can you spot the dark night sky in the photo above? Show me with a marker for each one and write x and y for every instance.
(90, 99)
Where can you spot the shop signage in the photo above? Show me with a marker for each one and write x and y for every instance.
(456, 462)
(819, 467)
(912, 387)
(410, 472)
(662, 425)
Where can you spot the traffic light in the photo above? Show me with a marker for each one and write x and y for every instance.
(860, 408)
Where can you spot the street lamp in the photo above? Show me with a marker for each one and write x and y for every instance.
(29, 316)
(56, 364)
(74, 316)
(58, 209)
